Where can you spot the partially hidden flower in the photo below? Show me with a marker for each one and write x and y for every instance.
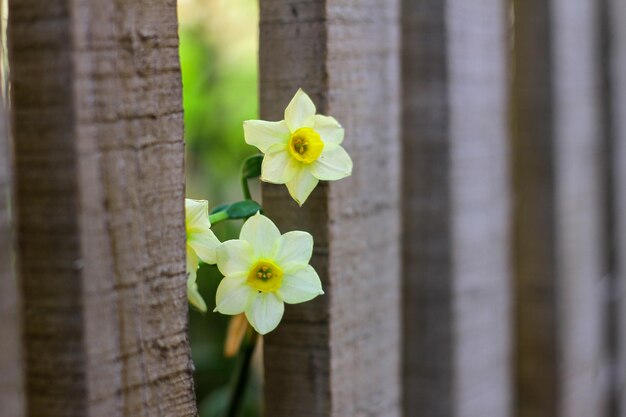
(301, 149)
(201, 246)
(263, 270)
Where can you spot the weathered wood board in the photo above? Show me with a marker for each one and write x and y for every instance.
(11, 369)
(340, 354)
(457, 283)
(100, 192)
(617, 82)
(558, 209)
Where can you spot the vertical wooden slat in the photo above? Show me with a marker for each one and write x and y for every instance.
(610, 314)
(457, 321)
(100, 188)
(11, 395)
(339, 355)
(558, 202)
(617, 21)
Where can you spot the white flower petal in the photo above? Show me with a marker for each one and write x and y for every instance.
(193, 296)
(328, 128)
(301, 186)
(233, 295)
(294, 248)
(333, 164)
(261, 233)
(278, 165)
(264, 134)
(301, 286)
(204, 244)
(196, 214)
(191, 277)
(192, 260)
(234, 257)
(265, 312)
(300, 111)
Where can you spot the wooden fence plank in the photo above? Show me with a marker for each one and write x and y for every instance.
(558, 218)
(457, 321)
(11, 395)
(611, 372)
(339, 355)
(100, 190)
(617, 73)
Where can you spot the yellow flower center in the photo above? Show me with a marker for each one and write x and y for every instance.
(265, 276)
(305, 145)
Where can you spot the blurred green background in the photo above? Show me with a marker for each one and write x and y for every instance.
(218, 54)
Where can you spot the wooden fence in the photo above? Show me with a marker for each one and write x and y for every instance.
(474, 264)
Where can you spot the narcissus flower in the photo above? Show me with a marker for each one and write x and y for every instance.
(263, 270)
(201, 246)
(300, 150)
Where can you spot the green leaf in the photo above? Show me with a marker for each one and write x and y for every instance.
(219, 208)
(251, 167)
(239, 210)
(243, 209)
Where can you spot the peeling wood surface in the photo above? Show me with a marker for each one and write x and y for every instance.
(340, 354)
(457, 293)
(558, 218)
(100, 189)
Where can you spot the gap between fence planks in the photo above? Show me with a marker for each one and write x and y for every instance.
(457, 318)
(100, 191)
(558, 220)
(340, 354)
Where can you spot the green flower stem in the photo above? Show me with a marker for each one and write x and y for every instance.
(251, 168)
(218, 217)
(245, 188)
(241, 376)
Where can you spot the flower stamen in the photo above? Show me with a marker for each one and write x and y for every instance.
(265, 276)
(305, 145)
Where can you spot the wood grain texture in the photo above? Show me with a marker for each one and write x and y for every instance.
(558, 218)
(457, 320)
(340, 354)
(11, 369)
(617, 74)
(100, 189)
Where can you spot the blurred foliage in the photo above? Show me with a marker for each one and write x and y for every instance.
(218, 54)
